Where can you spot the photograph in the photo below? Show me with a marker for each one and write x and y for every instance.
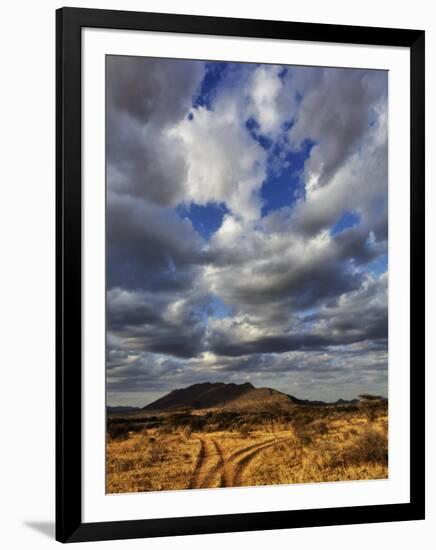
(218, 275)
(246, 274)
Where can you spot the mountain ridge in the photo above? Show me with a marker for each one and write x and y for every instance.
(210, 395)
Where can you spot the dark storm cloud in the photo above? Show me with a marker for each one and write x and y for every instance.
(344, 332)
(164, 323)
(149, 247)
(144, 95)
(152, 89)
(358, 245)
(220, 344)
(335, 113)
(308, 287)
(142, 371)
(182, 341)
(144, 163)
(155, 302)
(126, 309)
(325, 361)
(363, 312)
(354, 317)
(270, 272)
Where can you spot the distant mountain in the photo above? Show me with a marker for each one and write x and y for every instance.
(345, 402)
(365, 397)
(220, 395)
(201, 396)
(121, 410)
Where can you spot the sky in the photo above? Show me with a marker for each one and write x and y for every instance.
(246, 228)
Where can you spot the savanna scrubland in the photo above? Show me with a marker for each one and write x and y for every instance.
(195, 449)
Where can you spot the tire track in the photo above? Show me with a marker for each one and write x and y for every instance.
(216, 470)
(242, 464)
(208, 464)
(236, 463)
(239, 452)
(228, 475)
(213, 463)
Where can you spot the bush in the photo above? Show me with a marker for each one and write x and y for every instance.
(369, 446)
(158, 453)
(301, 432)
(119, 430)
(322, 428)
(166, 430)
(198, 423)
(371, 411)
(116, 431)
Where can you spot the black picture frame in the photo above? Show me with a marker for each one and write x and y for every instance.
(69, 525)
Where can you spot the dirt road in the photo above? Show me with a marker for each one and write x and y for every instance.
(217, 467)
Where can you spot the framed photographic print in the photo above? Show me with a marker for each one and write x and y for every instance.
(240, 275)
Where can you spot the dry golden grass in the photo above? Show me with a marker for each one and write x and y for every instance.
(344, 450)
(308, 445)
(150, 461)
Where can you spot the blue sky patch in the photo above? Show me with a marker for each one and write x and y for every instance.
(280, 187)
(206, 220)
(215, 73)
(347, 220)
(379, 265)
(218, 308)
(283, 73)
(253, 128)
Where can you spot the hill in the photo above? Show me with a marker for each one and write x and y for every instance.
(231, 396)
(121, 409)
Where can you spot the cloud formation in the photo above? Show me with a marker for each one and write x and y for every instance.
(293, 295)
